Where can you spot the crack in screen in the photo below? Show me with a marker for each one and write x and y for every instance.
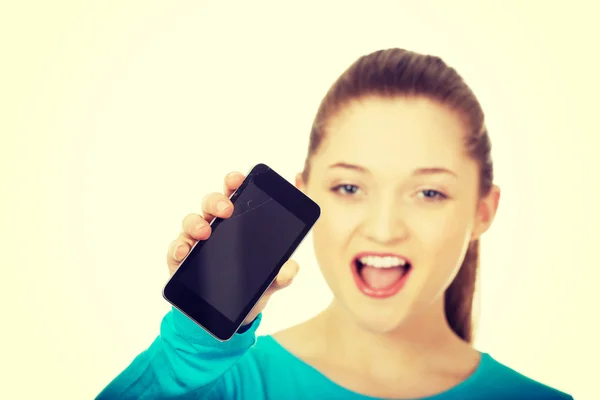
(234, 216)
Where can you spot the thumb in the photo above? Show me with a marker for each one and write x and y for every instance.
(286, 275)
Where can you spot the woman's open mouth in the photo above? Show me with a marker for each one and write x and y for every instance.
(380, 275)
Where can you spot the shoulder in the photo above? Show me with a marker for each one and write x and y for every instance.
(268, 370)
(267, 354)
(507, 381)
(290, 348)
(286, 346)
(266, 348)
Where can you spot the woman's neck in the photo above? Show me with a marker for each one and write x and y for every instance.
(420, 358)
(424, 342)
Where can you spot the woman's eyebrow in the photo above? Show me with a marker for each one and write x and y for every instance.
(349, 166)
(433, 171)
(416, 172)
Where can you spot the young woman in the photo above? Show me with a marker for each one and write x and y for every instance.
(399, 161)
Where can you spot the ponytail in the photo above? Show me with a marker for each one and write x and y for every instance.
(460, 295)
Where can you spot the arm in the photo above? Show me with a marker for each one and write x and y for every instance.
(182, 360)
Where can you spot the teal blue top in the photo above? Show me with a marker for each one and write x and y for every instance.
(185, 362)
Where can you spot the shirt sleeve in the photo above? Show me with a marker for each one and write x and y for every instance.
(184, 360)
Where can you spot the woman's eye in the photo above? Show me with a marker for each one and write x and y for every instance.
(346, 189)
(431, 194)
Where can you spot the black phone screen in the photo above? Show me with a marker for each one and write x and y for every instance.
(243, 250)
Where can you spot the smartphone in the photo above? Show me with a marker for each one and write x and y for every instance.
(223, 277)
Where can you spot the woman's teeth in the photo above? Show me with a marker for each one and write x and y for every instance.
(383, 262)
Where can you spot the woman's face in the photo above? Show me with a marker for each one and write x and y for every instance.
(400, 204)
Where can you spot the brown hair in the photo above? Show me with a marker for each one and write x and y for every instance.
(401, 73)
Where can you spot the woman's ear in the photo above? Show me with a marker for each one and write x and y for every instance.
(486, 212)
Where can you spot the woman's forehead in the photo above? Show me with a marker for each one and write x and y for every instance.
(396, 132)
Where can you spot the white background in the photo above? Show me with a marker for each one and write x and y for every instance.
(120, 116)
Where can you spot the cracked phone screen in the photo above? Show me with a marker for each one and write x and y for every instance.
(242, 252)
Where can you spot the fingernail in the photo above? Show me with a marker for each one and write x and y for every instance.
(200, 228)
(177, 254)
(222, 206)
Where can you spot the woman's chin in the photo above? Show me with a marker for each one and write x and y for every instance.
(382, 320)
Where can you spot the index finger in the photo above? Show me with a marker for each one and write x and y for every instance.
(233, 180)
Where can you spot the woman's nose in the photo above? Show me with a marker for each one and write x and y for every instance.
(384, 223)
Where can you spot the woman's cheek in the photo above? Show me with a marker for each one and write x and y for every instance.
(331, 230)
(339, 217)
(447, 245)
(438, 231)
(344, 222)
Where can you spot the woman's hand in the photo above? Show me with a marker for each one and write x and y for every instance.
(196, 227)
